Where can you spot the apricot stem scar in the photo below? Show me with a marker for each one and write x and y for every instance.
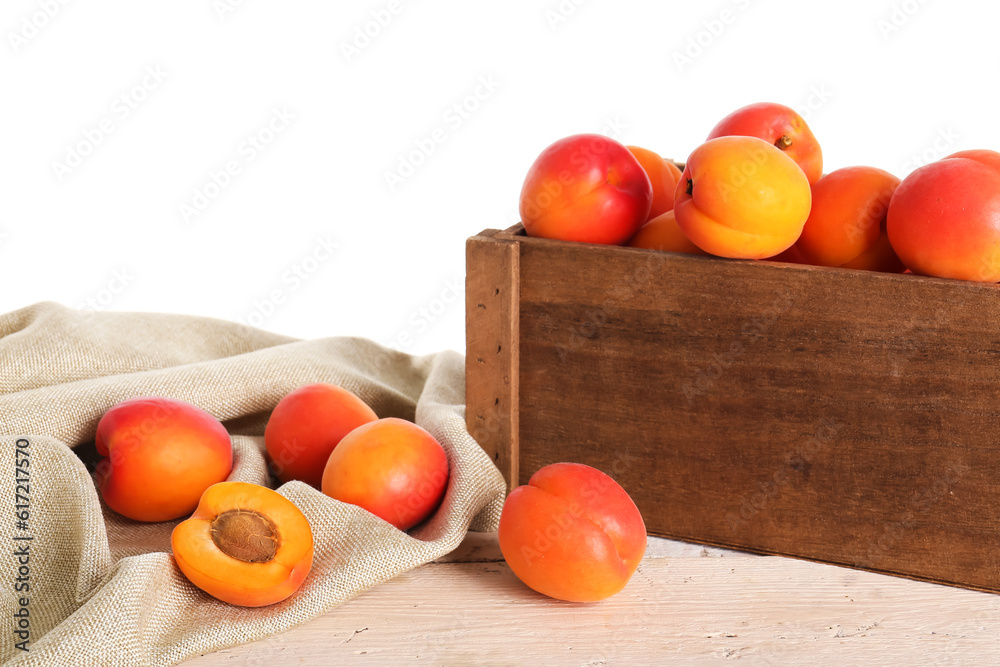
(690, 187)
(783, 142)
(245, 535)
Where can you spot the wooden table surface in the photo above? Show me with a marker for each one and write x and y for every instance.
(687, 604)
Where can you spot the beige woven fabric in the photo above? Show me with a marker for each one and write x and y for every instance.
(104, 590)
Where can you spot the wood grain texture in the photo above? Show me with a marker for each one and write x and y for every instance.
(492, 352)
(685, 605)
(836, 415)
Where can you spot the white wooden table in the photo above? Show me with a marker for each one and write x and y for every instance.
(686, 604)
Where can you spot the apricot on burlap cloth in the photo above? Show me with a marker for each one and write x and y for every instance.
(104, 590)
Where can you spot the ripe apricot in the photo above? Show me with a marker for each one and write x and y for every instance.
(306, 425)
(162, 455)
(846, 226)
(663, 175)
(572, 533)
(245, 544)
(741, 197)
(779, 126)
(587, 188)
(944, 218)
(392, 468)
(663, 233)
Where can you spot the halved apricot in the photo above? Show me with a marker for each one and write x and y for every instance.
(245, 544)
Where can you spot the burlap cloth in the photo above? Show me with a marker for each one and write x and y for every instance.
(104, 590)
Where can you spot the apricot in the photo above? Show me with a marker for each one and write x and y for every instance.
(663, 176)
(587, 188)
(663, 233)
(162, 455)
(245, 544)
(779, 126)
(306, 425)
(741, 197)
(392, 468)
(944, 218)
(846, 226)
(572, 533)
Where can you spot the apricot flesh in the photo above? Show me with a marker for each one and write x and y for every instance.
(245, 544)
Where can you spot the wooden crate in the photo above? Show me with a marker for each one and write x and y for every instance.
(842, 416)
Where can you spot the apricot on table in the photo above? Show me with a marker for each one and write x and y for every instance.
(741, 197)
(306, 425)
(587, 188)
(572, 533)
(944, 218)
(663, 176)
(162, 455)
(663, 233)
(391, 467)
(245, 544)
(846, 226)
(779, 126)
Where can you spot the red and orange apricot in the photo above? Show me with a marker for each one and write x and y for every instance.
(779, 126)
(306, 425)
(944, 218)
(588, 188)
(663, 176)
(161, 456)
(391, 467)
(572, 533)
(846, 226)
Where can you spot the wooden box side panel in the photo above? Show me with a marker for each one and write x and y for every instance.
(847, 417)
(491, 356)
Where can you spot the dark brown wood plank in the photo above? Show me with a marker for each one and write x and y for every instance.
(836, 415)
(491, 356)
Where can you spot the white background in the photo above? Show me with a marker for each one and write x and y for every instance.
(886, 83)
